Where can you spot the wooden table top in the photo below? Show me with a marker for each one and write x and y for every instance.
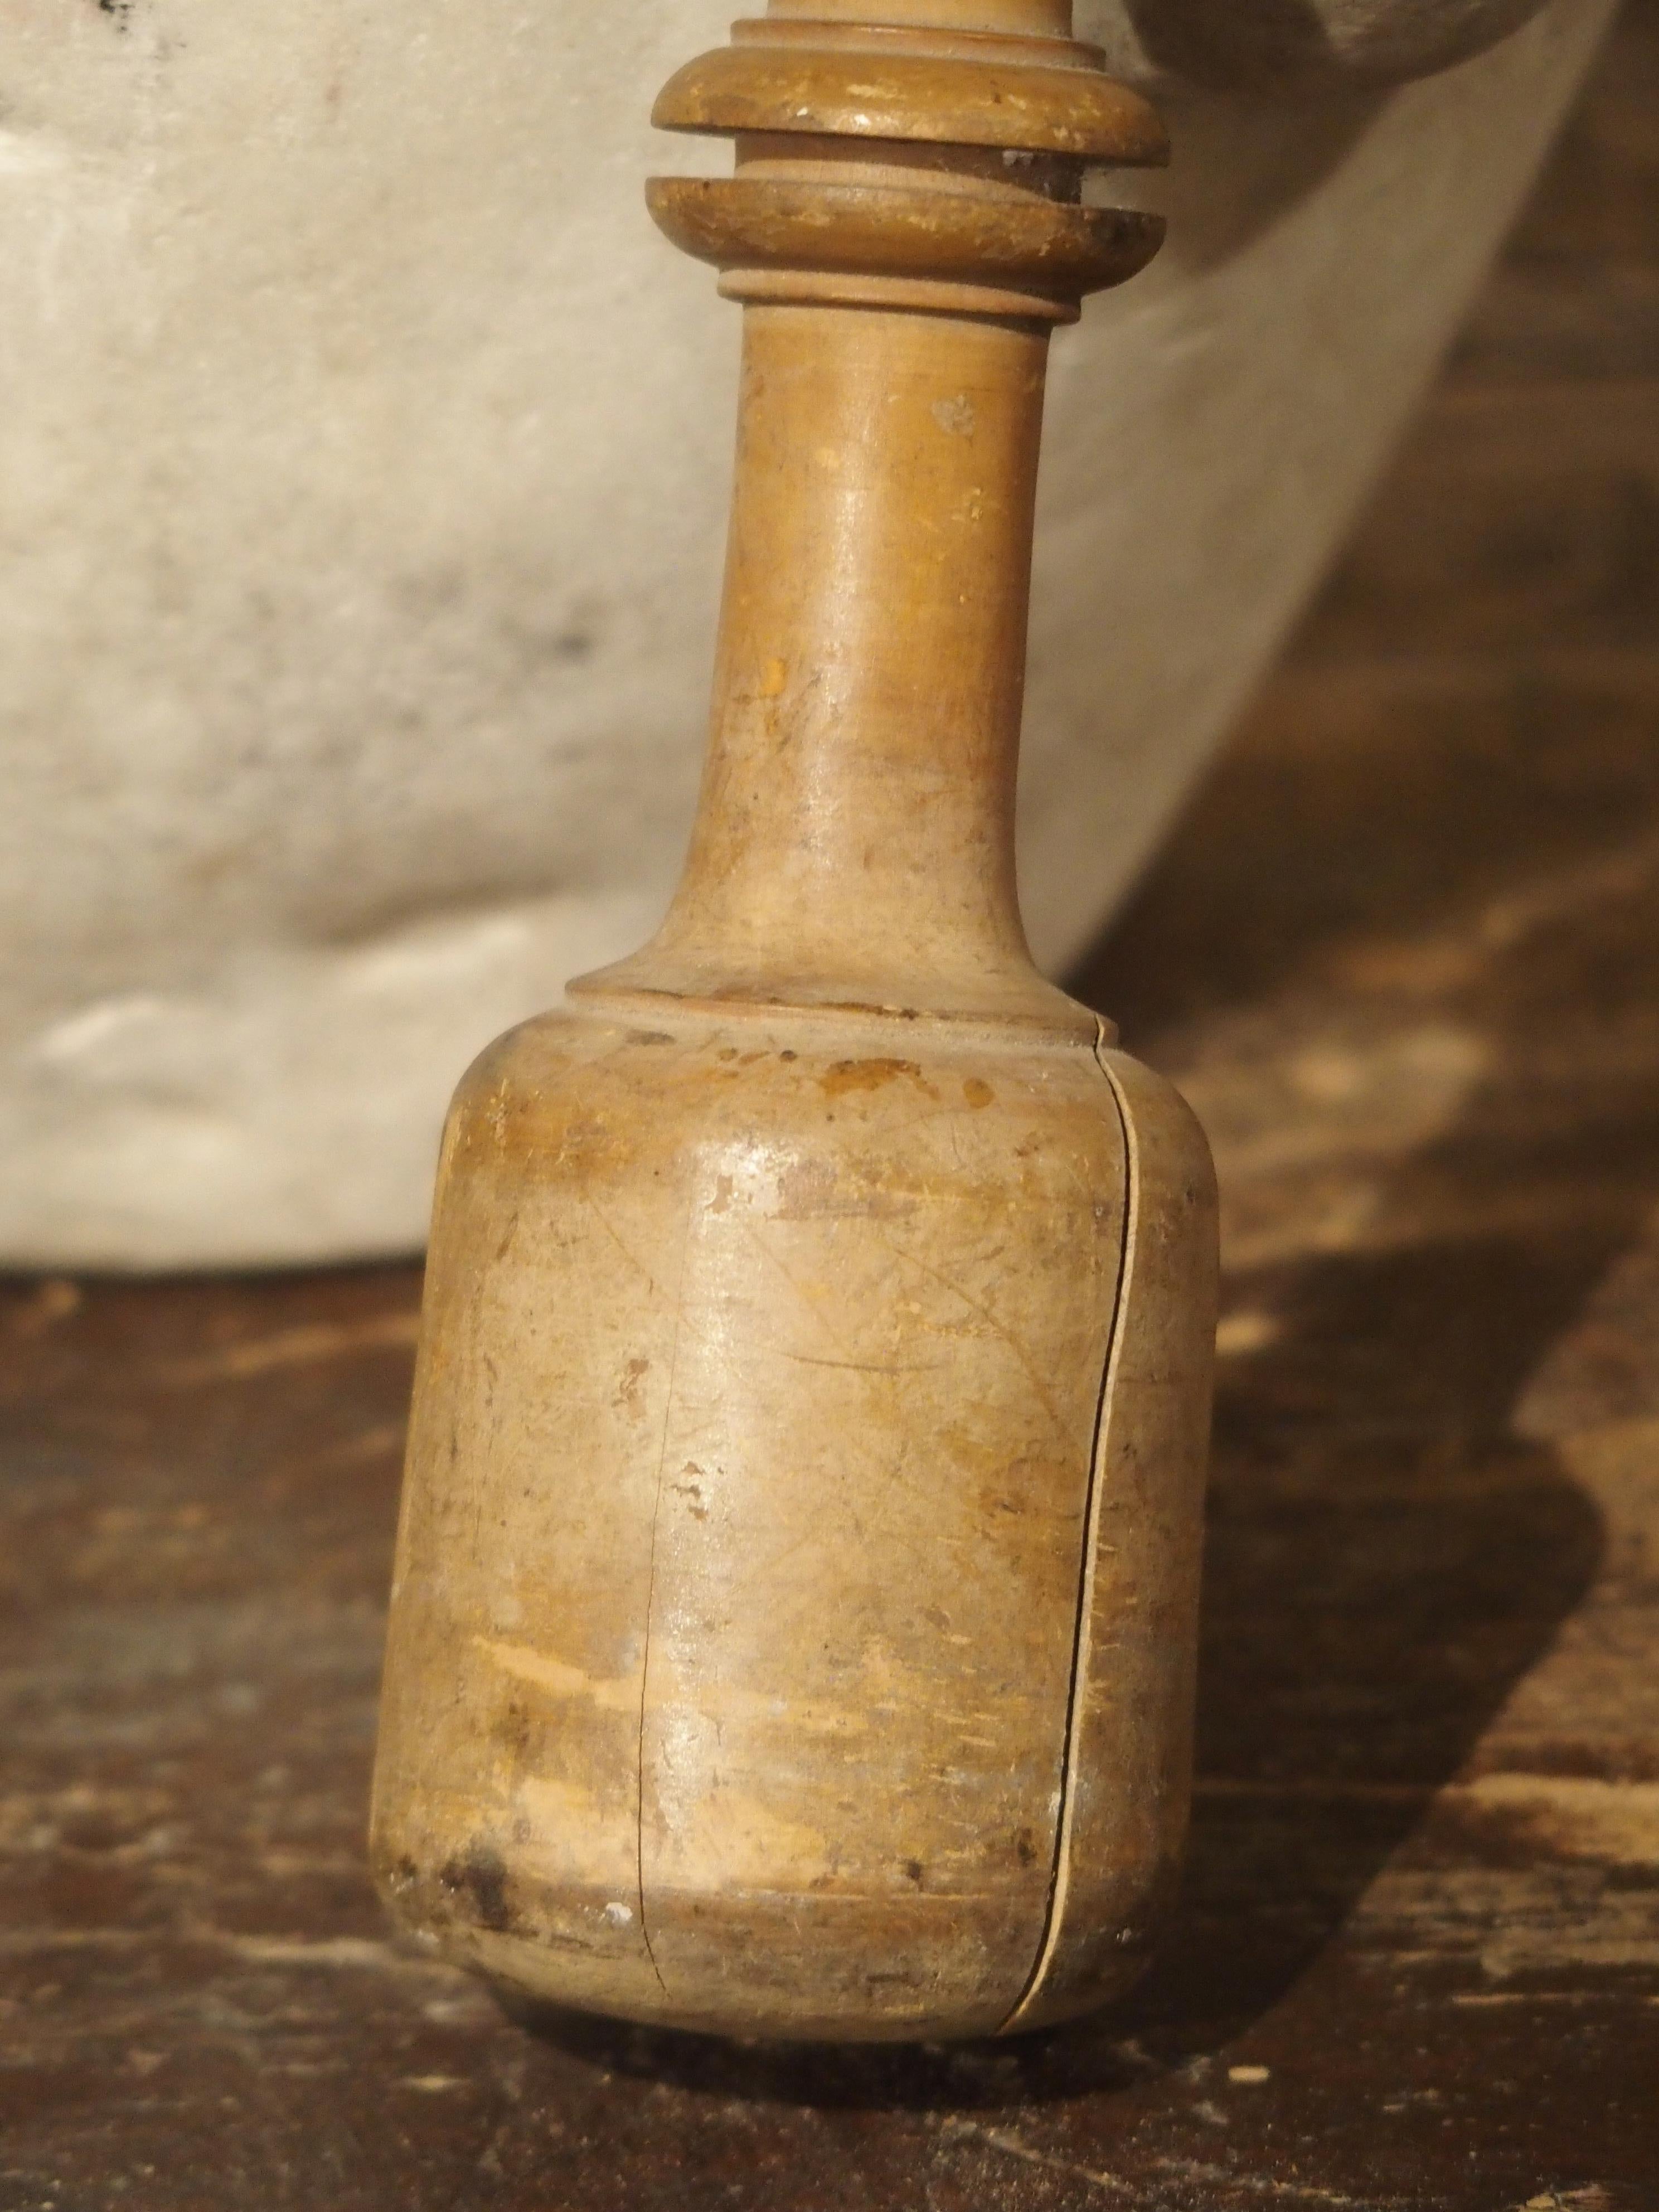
(1404, 957)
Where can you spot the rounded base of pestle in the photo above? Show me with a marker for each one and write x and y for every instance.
(792, 1625)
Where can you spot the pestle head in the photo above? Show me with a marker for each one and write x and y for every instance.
(794, 1618)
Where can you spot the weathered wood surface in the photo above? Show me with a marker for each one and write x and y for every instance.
(1404, 958)
(794, 1618)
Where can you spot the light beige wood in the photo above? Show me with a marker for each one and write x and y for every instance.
(794, 1611)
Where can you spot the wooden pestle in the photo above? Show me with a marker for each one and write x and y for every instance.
(794, 1615)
